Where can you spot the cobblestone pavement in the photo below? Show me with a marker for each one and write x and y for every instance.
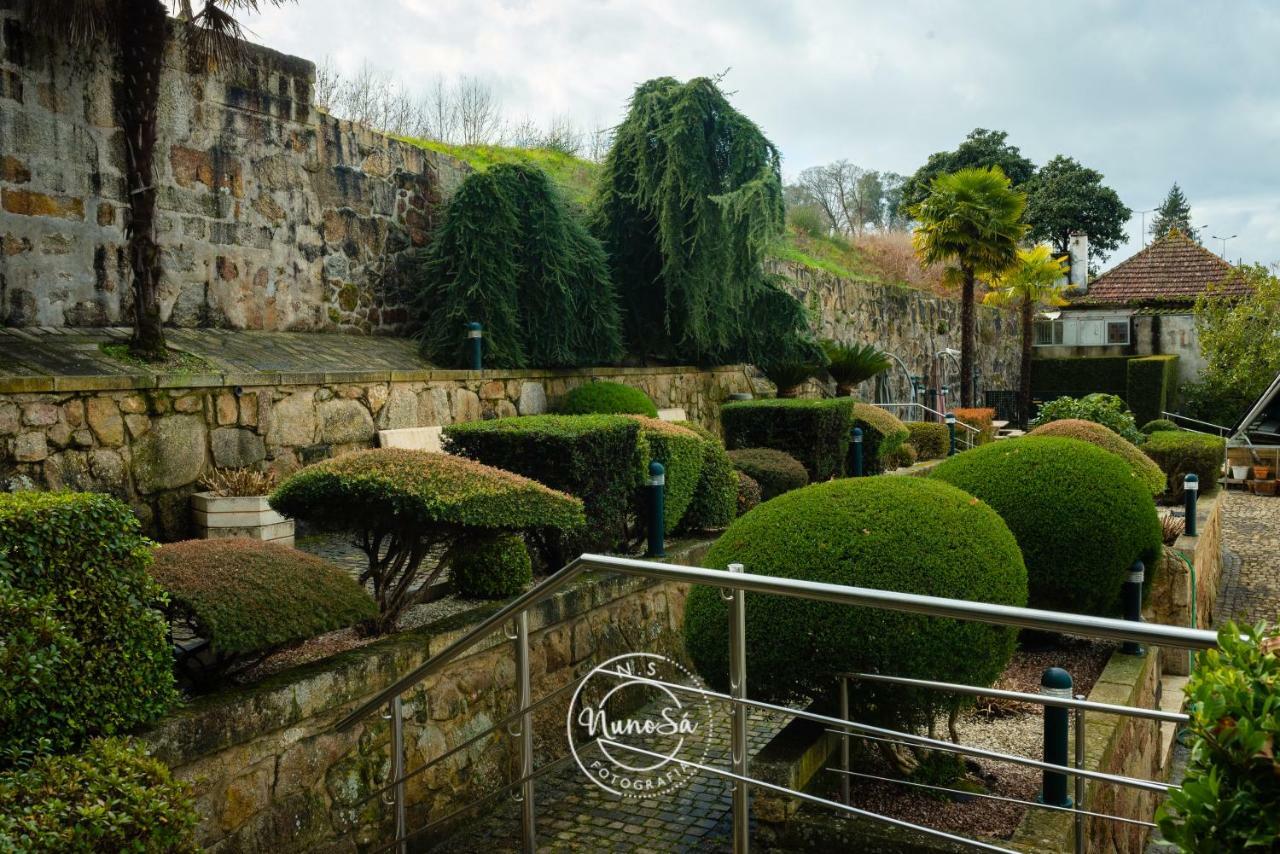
(1251, 575)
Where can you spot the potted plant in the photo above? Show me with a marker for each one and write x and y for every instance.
(790, 377)
(1262, 472)
(1239, 472)
(234, 504)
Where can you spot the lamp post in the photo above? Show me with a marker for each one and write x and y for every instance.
(1224, 243)
(1144, 223)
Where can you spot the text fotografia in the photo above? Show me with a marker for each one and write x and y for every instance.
(632, 728)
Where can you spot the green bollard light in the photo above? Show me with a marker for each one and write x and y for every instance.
(657, 509)
(1132, 594)
(1055, 682)
(1191, 491)
(951, 432)
(857, 452)
(475, 338)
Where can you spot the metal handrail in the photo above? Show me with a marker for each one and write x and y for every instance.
(932, 411)
(1222, 431)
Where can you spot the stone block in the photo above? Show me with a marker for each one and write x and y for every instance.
(236, 448)
(401, 409)
(433, 407)
(30, 448)
(466, 405)
(189, 403)
(104, 418)
(39, 414)
(10, 418)
(293, 420)
(28, 203)
(345, 421)
(226, 408)
(532, 400)
(172, 454)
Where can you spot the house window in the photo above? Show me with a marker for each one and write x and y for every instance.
(1048, 333)
(1117, 331)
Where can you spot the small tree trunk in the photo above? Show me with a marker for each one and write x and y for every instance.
(1024, 389)
(144, 32)
(967, 337)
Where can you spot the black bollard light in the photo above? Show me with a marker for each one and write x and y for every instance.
(475, 339)
(951, 433)
(1133, 604)
(1055, 682)
(657, 509)
(857, 452)
(1190, 492)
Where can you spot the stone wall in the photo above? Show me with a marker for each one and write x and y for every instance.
(1183, 598)
(149, 445)
(272, 775)
(272, 215)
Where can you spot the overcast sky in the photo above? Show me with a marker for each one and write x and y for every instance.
(1146, 92)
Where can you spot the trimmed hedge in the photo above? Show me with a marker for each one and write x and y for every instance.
(420, 504)
(606, 398)
(749, 495)
(931, 439)
(979, 418)
(1182, 452)
(1080, 516)
(493, 567)
(892, 533)
(815, 432)
(775, 472)
(1095, 434)
(1105, 409)
(905, 457)
(249, 598)
(715, 500)
(83, 555)
(1080, 375)
(883, 433)
(112, 797)
(1152, 383)
(1158, 425)
(680, 451)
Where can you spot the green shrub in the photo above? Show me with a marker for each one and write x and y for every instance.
(405, 506)
(600, 459)
(607, 398)
(1080, 376)
(1105, 409)
(1180, 453)
(1151, 385)
(851, 364)
(37, 655)
(775, 472)
(85, 556)
(1095, 434)
(891, 533)
(749, 495)
(789, 376)
(882, 435)
(1080, 516)
(904, 457)
(715, 500)
(1230, 797)
(493, 567)
(931, 439)
(680, 451)
(815, 432)
(1158, 425)
(112, 797)
(248, 598)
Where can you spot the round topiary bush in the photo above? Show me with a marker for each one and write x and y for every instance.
(1080, 516)
(775, 471)
(1158, 425)
(904, 457)
(892, 533)
(883, 433)
(1095, 434)
(608, 399)
(749, 495)
(493, 568)
(930, 439)
(715, 499)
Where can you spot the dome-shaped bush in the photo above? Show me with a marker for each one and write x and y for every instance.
(749, 495)
(608, 399)
(1080, 516)
(776, 471)
(1159, 424)
(890, 533)
(1108, 440)
(493, 567)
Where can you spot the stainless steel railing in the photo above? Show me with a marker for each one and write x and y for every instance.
(966, 435)
(734, 585)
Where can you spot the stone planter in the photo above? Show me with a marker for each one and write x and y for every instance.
(217, 516)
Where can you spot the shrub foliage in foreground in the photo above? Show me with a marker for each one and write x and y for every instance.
(600, 459)
(404, 505)
(680, 452)
(249, 598)
(1183, 452)
(1230, 797)
(37, 653)
(111, 797)
(775, 471)
(1080, 516)
(1105, 409)
(891, 533)
(715, 499)
(882, 435)
(606, 398)
(493, 567)
(1095, 434)
(84, 557)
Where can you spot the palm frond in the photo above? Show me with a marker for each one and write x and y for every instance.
(79, 22)
(215, 34)
(856, 363)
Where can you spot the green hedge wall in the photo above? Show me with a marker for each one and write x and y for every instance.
(1078, 376)
(815, 432)
(1152, 382)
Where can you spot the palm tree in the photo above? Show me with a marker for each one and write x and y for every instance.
(971, 219)
(137, 32)
(1036, 279)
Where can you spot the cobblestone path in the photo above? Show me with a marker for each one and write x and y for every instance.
(1251, 574)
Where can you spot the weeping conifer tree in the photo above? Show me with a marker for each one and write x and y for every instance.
(511, 255)
(689, 198)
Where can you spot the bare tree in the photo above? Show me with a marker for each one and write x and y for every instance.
(562, 135)
(479, 116)
(599, 141)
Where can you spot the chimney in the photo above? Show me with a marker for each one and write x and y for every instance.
(1078, 258)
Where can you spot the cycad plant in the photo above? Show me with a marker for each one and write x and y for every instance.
(789, 376)
(852, 364)
(971, 221)
(1036, 279)
(137, 33)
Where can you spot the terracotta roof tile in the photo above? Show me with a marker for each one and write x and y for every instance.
(1174, 269)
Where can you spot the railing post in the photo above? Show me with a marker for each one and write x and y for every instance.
(475, 345)
(857, 452)
(1191, 490)
(1079, 781)
(1055, 682)
(844, 741)
(397, 771)
(657, 509)
(524, 698)
(738, 744)
(1132, 593)
(950, 418)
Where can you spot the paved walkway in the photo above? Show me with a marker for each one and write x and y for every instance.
(1251, 582)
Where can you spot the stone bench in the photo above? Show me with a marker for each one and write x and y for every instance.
(676, 414)
(412, 438)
